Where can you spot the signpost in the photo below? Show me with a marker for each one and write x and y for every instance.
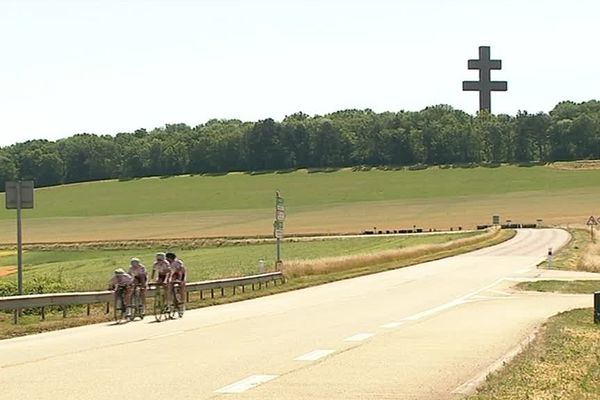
(278, 224)
(592, 222)
(19, 196)
(495, 220)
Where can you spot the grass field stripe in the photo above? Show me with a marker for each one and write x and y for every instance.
(246, 384)
(359, 337)
(314, 355)
(392, 325)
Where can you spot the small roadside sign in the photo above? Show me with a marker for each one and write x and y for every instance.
(592, 222)
(280, 215)
(278, 229)
(278, 223)
(19, 195)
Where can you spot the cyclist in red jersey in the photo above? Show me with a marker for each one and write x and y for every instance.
(140, 277)
(161, 267)
(177, 274)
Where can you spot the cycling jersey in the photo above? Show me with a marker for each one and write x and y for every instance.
(139, 274)
(163, 269)
(121, 281)
(177, 270)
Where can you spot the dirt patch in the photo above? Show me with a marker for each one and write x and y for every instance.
(5, 271)
(576, 165)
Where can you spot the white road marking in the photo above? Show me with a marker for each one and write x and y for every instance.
(359, 337)
(391, 325)
(461, 300)
(315, 355)
(436, 310)
(246, 384)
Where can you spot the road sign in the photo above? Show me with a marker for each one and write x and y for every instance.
(280, 215)
(496, 220)
(278, 224)
(19, 195)
(19, 192)
(278, 229)
(592, 221)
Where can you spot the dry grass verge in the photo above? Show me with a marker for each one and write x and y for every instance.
(297, 268)
(563, 362)
(590, 259)
(580, 254)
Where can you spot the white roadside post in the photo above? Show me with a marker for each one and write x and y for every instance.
(19, 196)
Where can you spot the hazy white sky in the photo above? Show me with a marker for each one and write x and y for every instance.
(110, 66)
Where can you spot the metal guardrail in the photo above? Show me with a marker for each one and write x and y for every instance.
(106, 296)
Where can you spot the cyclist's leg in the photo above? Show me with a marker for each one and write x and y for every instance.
(182, 292)
(143, 286)
(169, 293)
(128, 292)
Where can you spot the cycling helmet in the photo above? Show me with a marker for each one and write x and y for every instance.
(119, 271)
(135, 260)
(160, 256)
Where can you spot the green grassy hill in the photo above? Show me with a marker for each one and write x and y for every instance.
(242, 204)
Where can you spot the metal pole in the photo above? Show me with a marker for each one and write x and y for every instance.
(278, 249)
(19, 242)
(597, 308)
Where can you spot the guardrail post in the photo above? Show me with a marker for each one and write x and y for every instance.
(88, 310)
(234, 290)
(64, 310)
(201, 295)
(212, 293)
(107, 307)
(43, 313)
(16, 317)
(222, 291)
(597, 308)
(243, 288)
(187, 297)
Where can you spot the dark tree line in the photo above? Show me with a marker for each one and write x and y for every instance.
(435, 135)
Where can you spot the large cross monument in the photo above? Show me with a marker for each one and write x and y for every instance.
(485, 86)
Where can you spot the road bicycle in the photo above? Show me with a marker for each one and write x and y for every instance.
(137, 304)
(120, 309)
(164, 309)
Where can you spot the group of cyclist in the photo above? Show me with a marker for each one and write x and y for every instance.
(168, 269)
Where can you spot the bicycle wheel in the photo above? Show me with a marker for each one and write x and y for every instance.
(119, 309)
(172, 308)
(159, 305)
(135, 300)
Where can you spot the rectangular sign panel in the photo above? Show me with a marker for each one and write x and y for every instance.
(26, 194)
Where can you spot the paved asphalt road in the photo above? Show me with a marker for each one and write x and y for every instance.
(422, 332)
